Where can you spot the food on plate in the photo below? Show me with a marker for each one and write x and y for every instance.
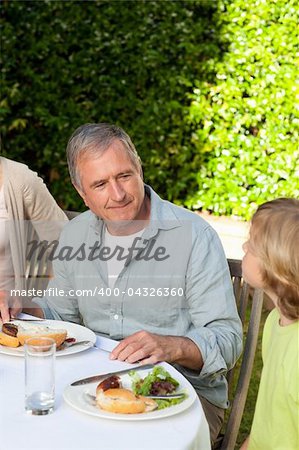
(35, 331)
(123, 401)
(13, 335)
(157, 382)
(10, 328)
(8, 341)
(113, 397)
(110, 383)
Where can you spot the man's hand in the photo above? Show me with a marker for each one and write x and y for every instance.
(151, 348)
(9, 306)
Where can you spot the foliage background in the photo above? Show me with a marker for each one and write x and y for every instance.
(206, 89)
(247, 113)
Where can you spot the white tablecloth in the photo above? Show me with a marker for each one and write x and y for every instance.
(69, 429)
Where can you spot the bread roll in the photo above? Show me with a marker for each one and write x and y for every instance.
(59, 336)
(123, 401)
(8, 341)
(150, 404)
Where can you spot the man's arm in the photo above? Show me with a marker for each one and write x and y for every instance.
(152, 348)
(216, 327)
(60, 305)
(214, 340)
(57, 302)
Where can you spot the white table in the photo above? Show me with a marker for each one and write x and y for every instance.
(69, 429)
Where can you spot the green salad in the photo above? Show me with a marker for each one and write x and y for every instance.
(157, 382)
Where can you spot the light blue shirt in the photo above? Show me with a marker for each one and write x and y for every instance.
(180, 285)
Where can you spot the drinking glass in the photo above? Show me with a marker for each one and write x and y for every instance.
(40, 375)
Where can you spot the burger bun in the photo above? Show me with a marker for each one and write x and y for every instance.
(123, 401)
(59, 336)
(8, 341)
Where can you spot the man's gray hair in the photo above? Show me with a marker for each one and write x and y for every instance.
(95, 139)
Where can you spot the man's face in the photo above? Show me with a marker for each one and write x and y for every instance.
(112, 187)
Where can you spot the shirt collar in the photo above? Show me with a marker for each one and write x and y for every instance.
(162, 214)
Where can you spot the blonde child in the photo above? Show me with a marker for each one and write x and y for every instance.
(271, 262)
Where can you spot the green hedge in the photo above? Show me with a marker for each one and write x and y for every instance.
(205, 89)
(246, 115)
(131, 63)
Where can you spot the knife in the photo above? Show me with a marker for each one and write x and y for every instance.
(14, 319)
(100, 377)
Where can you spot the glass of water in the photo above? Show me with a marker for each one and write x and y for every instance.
(40, 375)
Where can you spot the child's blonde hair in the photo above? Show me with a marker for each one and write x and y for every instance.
(274, 237)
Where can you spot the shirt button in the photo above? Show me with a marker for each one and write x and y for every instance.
(115, 316)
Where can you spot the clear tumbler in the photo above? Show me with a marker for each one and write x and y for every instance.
(40, 375)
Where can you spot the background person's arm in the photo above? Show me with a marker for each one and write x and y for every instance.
(9, 306)
(41, 209)
(12, 306)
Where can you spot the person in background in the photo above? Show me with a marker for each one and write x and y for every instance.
(24, 200)
(158, 273)
(271, 262)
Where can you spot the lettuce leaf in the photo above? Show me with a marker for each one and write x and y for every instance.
(143, 386)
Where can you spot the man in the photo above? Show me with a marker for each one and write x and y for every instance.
(158, 273)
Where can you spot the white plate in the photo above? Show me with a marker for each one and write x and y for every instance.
(74, 330)
(76, 397)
